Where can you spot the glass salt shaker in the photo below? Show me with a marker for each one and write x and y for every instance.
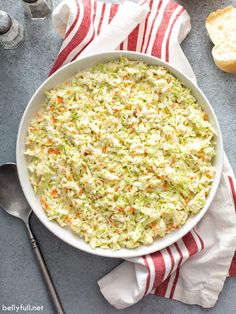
(11, 31)
(38, 9)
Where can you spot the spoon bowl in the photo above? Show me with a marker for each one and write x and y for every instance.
(12, 199)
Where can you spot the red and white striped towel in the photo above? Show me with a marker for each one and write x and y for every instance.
(193, 269)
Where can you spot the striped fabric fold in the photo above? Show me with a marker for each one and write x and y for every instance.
(193, 269)
(89, 18)
(168, 260)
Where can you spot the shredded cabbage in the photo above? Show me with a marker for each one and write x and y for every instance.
(122, 153)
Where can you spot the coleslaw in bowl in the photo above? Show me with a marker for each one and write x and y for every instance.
(123, 154)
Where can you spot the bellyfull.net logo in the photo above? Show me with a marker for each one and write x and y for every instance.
(21, 308)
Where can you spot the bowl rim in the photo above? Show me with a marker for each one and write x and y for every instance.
(189, 225)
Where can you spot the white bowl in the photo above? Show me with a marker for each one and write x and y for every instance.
(34, 105)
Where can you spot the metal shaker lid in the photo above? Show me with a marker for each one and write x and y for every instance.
(5, 22)
(30, 1)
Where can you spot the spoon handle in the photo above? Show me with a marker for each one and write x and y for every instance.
(46, 275)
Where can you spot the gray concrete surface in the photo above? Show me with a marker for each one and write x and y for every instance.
(75, 273)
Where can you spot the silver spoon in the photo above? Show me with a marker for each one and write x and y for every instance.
(13, 201)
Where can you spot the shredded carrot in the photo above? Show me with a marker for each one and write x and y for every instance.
(169, 227)
(54, 151)
(44, 203)
(131, 209)
(54, 192)
(54, 120)
(67, 219)
(116, 188)
(105, 148)
(70, 178)
(132, 128)
(120, 209)
(60, 100)
(116, 110)
(50, 150)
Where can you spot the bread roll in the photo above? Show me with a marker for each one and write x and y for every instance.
(221, 27)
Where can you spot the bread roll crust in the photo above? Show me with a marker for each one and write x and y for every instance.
(229, 67)
(218, 13)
